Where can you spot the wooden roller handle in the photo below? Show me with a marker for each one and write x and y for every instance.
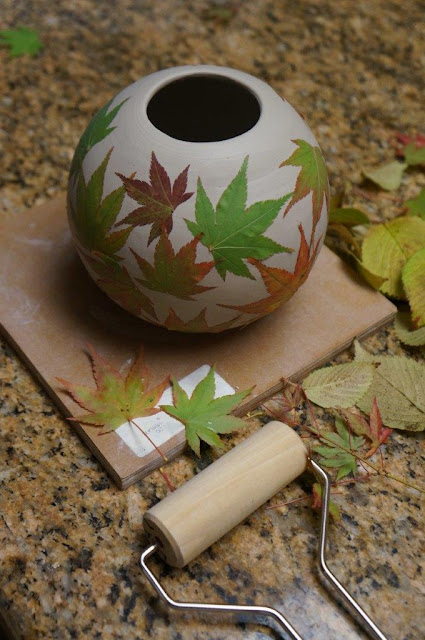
(201, 511)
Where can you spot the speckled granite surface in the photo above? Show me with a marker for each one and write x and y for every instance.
(69, 540)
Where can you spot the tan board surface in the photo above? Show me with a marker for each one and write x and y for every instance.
(50, 310)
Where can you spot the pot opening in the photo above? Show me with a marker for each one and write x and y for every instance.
(204, 108)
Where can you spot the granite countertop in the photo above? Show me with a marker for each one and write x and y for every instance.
(69, 538)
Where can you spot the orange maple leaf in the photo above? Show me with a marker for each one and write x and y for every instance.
(198, 324)
(280, 284)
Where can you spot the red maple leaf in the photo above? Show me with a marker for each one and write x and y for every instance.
(174, 273)
(283, 407)
(402, 141)
(280, 284)
(158, 199)
(198, 324)
(374, 430)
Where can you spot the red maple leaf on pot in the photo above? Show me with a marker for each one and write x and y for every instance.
(158, 199)
(280, 284)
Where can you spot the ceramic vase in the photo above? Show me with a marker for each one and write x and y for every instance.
(198, 199)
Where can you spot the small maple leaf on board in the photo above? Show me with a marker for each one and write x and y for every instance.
(197, 324)
(93, 216)
(116, 282)
(280, 284)
(117, 399)
(373, 430)
(99, 127)
(174, 273)
(233, 232)
(313, 177)
(158, 199)
(203, 415)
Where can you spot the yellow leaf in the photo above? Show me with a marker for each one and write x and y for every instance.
(388, 176)
(413, 276)
(404, 332)
(339, 386)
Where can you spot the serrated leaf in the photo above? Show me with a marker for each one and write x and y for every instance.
(117, 399)
(197, 324)
(280, 284)
(21, 41)
(399, 387)
(99, 127)
(158, 199)
(175, 273)
(348, 216)
(388, 176)
(313, 177)
(373, 429)
(416, 206)
(93, 217)
(233, 233)
(334, 510)
(388, 246)
(405, 333)
(413, 277)
(414, 155)
(337, 449)
(339, 386)
(116, 282)
(203, 415)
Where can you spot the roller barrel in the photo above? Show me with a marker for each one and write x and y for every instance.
(201, 511)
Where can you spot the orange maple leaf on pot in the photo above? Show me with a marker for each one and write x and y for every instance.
(280, 283)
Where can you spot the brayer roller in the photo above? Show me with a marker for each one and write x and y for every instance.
(209, 505)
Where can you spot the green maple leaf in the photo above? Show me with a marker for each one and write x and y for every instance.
(117, 399)
(174, 273)
(232, 232)
(416, 206)
(336, 449)
(99, 127)
(21, 41)
(203, 415)
(414, 155)
(313, 177)
(93, 216)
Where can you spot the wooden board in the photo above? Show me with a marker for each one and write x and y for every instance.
(50, 310)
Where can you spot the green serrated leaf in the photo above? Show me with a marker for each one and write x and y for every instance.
(337, 449)
(388, 246)
(416, 206)
(203, 415)
(399, 387)
(98, 128)
(388, 176)
(348, 216)
(405, 333)
(21, 41)
(339, 386)
(233, 233)
(414, 155)
(413, 277)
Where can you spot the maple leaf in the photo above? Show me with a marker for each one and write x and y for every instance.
(232, 232)
(373, 430)
(280, 284)
(93, 217)
(99, 127)
(116, 282)
(21, 41)
(416, 206)
(198, 324)
(174, 273)
(203, 415)
(334, 510)
(402, 141)
(313, 177)
(117, 399)
(337, 449)
(158, 199)
(283, 407)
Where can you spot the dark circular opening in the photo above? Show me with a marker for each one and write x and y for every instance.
(204, 108)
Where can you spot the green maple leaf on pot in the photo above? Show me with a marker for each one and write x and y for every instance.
(158, 199)
(117, 399)
(174, 273)
(233, 232)
(203, 415)
(21, 41)
(337, 449)
(93, 216)
(99, 127)
(116, 282)
(313, 177)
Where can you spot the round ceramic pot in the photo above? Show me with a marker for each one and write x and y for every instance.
(198, 199)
